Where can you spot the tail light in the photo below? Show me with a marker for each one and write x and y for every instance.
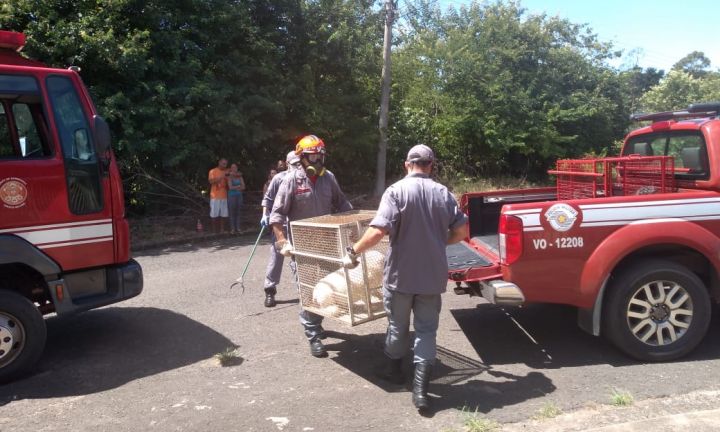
(511, 238)
(661, 125)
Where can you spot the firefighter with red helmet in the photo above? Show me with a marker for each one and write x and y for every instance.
(311, 151)
(304, 193)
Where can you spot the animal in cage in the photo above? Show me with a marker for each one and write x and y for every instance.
(335, 284)
(352, 296)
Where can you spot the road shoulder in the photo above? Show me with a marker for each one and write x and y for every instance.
(697, 411)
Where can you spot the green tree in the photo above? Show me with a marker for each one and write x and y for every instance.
(492, 88)
(334, 80)
(500, 92)
(636, 82)
(696, 64)
(181, 83)
(679, 89)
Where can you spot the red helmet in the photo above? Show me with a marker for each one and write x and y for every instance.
(309, 144)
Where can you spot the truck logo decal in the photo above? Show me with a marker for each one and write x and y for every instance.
(13, 192)
(561, 217)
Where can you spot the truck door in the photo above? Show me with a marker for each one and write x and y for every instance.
(90, 240)
(52, 191)
(32, 178)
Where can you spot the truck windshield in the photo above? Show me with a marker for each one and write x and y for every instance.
(686, 147)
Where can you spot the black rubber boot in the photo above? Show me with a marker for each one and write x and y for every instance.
(420, 386)
(391, 371)
(317, 349)
(270, 300)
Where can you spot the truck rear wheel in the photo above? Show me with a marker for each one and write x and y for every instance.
(22, 335)
(657, 311)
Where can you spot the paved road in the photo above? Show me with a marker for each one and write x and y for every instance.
(148, 363)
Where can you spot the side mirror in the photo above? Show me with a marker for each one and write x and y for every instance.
(102, 136)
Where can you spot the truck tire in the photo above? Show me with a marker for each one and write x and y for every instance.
(656, 311)
(22, 335)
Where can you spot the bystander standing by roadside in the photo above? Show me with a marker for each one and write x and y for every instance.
(217, 177)
(236, 186)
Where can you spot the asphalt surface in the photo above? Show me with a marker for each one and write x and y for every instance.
(148, 363)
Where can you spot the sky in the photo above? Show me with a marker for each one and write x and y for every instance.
(651, 33)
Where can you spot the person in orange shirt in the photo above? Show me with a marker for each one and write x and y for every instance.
(218, 195)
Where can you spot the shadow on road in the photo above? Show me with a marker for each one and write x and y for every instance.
(539, 336)
(546, 336)
(458, 381)
(213, 244)
(107, 348)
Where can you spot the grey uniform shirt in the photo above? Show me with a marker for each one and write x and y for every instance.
(298, 198)
(417, 212)
(272, 189)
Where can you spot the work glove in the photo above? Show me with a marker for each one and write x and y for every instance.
(350, 260)
(284, 247)
(265, 221)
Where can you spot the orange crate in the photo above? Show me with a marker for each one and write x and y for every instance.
(617, 176)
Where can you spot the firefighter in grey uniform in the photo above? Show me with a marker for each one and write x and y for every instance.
(274, 266)
(421, 217)
(304, 193)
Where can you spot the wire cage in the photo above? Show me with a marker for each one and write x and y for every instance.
(618, 176)
(352, 296)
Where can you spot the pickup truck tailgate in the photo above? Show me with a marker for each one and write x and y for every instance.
(477, 259)
(473, 261)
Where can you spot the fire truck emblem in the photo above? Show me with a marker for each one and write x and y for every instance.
(561, 217)
(13, 192)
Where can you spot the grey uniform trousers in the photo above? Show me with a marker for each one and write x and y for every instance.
(273, 271)
(426, 317)
(311, 322)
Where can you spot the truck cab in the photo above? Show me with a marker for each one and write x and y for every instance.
(64, 239)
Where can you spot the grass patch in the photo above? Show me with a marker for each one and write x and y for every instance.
(460, 186)
(158, 228)
(228, 357)
(548, 411)
(621, 398)
(474, 423)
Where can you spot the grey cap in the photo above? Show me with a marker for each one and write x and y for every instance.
(420, 153)
(292, 158)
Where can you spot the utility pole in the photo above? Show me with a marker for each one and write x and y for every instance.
(384, 99)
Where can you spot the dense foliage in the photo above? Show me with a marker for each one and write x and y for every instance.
(495, 90)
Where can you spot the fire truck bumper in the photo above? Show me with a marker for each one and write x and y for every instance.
(81, 291)
(130, 279)
(502, 293)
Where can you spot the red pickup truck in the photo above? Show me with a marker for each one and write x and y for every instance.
(641, 264)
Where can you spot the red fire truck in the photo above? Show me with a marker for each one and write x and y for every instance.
(64, 239)
(633, 241)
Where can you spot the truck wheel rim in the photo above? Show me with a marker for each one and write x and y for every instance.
(660, 313)
(12, 338)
